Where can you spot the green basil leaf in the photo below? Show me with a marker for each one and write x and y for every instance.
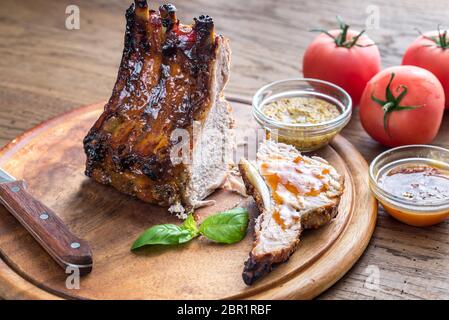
(226, 227)
(168, 234)
(190, 225)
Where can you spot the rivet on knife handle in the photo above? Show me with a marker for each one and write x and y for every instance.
(46, 227)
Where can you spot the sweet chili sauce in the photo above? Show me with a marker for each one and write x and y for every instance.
(422, 183)
(290, 181)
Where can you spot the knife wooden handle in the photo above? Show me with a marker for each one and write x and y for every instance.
(46, 227)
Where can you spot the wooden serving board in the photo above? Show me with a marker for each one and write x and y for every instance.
(50, 158)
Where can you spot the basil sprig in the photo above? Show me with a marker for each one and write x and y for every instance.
(224, 227)
(168, 234)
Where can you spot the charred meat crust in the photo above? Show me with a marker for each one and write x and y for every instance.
(164, 83)
(256, 267)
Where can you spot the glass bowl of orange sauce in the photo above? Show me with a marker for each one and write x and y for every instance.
(412, 183)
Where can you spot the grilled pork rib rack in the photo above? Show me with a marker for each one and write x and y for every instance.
(293, 192)
(171, 78)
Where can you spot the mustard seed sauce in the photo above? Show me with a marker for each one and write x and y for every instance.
(301, 110)
(417, 182)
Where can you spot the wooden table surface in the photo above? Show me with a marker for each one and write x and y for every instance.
(46, 69)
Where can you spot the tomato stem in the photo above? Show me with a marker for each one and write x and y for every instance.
(392, 103)
(442, 41)
(341, 40)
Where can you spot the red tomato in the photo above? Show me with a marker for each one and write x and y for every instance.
(348, 66)
(431, 52)
(408, 110)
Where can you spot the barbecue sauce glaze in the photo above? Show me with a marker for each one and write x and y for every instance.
(292, 184)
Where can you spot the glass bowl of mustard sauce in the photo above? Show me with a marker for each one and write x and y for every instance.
(412, 183)
(305, 113)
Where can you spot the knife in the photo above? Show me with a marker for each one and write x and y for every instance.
(44, 225)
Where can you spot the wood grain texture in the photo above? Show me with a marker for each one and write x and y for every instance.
(46, 69)
(110, 221)
(17, 288)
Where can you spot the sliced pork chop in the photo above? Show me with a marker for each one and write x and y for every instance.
(167, 103)
(293, 192)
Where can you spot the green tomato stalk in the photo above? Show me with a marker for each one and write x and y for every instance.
(392, 103)
(341, 40)
(442, 41)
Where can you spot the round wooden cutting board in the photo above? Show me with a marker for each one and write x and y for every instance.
(50, 158)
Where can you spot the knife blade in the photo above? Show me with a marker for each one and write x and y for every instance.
(5, 176)
(44, 225)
